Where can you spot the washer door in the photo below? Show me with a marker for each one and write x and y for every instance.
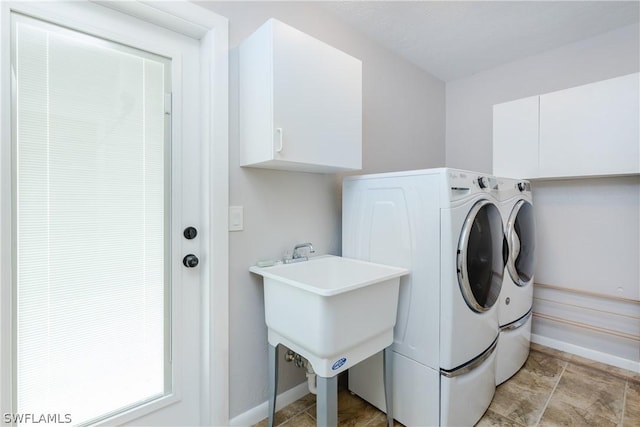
(480, 256)
(522, 243)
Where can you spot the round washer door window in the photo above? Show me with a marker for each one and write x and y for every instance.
(480, 256)
(522, 243)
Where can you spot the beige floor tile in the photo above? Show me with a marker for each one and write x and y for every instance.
(491, 419)
(540, 369)
(591, 391)
(380, 420)
(560, 413)
(519, 404)
(291, 410)
(609, 369)
(352, 410)
(632, 405)
(301, 420)
(298, 406)
(558, 354)
(523, 397)
(578, 360)
(631, 418)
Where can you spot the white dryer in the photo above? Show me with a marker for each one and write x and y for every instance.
(516, 296)
(445, 227)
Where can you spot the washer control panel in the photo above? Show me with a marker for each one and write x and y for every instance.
(462, 184)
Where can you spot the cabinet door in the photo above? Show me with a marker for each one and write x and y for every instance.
(515, 138)
(591, 129)
(317, 101)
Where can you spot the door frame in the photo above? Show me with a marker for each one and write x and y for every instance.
(211, 30)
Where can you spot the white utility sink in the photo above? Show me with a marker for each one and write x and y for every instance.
(334, 311)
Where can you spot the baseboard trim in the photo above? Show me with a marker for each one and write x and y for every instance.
(598, 356)
(260, 412)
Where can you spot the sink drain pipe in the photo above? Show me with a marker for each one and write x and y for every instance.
(301, 362)
(311, 377)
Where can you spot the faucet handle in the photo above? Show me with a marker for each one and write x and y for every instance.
(307, 245)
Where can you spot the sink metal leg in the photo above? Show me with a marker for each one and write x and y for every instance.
(388, 383)
(273, 382)
(327, 401)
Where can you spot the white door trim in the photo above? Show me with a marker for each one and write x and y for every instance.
(212, 32)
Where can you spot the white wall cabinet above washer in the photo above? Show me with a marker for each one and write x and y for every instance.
(300, 102)
(589, 130)
(515, 138)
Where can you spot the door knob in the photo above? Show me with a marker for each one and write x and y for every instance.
(190, 233)
(190, 261)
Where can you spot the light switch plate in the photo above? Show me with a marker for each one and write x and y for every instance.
(236, 218)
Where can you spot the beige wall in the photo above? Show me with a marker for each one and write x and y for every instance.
(403, 128)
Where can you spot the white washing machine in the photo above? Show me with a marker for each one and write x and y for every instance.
(516, 296)
(445, 227)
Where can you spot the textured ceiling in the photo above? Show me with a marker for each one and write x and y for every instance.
(455, 39)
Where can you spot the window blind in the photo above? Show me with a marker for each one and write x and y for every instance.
(91, 278)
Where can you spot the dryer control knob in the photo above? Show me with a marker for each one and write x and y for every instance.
(523, 186)
(483, 182)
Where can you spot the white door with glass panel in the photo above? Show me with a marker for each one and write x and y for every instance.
(106, 285)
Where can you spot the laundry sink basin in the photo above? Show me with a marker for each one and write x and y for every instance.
(334, 311)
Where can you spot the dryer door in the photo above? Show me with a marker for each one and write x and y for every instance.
(480, 261)
(522, 243)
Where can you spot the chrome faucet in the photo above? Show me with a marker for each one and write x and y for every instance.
(296, 256)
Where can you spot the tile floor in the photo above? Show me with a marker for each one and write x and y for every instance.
(552, 389)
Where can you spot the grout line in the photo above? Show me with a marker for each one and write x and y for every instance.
(624, 403)
(313, 415)
(551, 394)
(286, 421)
(303, 410)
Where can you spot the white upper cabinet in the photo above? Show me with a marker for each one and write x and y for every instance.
(515, 138)
(589, 130)
(300, 103)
